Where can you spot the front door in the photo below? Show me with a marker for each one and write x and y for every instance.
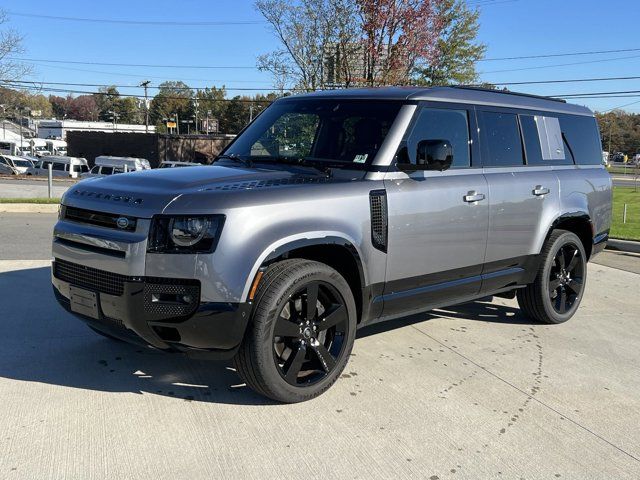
(438, 221)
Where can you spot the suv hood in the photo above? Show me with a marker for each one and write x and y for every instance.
(146, 193)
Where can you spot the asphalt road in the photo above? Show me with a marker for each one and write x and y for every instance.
(10, 188)
(474, 391)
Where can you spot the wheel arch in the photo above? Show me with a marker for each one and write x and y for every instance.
(579, 223)
(339, 252)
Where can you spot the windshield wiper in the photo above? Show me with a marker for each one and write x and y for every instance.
(236, 158)
(303, 162)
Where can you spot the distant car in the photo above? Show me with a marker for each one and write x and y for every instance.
(61, 166)
(12, 165)
(108, 165)
(172, 164)
(618, 157)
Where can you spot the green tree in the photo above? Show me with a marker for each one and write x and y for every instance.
(128, 110)
(212, 100)
(173, 98)
(457, 46)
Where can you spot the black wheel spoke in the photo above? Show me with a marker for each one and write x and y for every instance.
(575, 258)
(324, 356)
(560, 258)
(311, 302)
(286, 328)
(333, 316)
(293, 365)
(562, 307)
(575, 285)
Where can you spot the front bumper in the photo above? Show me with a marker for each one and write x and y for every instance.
(164, 313)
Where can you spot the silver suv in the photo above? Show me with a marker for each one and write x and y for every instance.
(334, 210)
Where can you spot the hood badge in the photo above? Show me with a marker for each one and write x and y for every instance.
(108, 196)
(122, 222)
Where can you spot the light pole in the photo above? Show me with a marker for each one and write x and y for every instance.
(114, 117)
(145, 85)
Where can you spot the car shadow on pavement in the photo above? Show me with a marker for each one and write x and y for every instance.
(41, 342)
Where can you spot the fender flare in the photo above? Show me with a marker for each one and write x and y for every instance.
(307, 239)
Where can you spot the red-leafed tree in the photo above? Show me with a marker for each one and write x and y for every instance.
(398, 34)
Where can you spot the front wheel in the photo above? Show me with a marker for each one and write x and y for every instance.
(556, 292)
(301, 334)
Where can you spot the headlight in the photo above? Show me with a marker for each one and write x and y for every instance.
(184, 233)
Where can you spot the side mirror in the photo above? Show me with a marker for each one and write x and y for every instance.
(430, 155)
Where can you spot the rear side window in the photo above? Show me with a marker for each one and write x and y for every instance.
(58, 166)
(442, 124)
(501, 139)
(543, 141)
(583, 139)
(106, 170)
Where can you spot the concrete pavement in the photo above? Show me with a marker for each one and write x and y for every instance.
(473, 391)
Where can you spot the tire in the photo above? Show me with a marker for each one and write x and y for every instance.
(105, 335)
(557, 290)
(292, 353)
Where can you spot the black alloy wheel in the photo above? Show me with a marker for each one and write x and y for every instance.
(566, 278)
(301, 332)
(556, 292)
(309, 334)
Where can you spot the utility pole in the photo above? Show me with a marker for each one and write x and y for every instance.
(145, 85)
(250, 112)
(195, 104)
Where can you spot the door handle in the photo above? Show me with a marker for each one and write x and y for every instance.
(539, 191)
(473, 197)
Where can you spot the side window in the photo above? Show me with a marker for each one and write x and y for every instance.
(582, 139)
(58, 166)
(501, 139)
(2, 161)
(543, 142)
(106, 170)
(442, 124)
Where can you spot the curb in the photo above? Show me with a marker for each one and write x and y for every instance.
(28, 208)
(623, 245)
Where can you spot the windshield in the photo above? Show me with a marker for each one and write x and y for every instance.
(40, 148)
(343, 132)
(22, 163)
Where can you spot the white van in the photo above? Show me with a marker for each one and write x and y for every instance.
(61, 167)
(107, 165)
(56, 147)
(40, 148)
(12, 165)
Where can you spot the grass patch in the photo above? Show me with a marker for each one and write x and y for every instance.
(631, 229)
(30, 200)
(629, 170)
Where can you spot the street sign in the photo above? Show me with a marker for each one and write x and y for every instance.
(171, 124)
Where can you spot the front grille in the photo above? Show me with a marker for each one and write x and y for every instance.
(100, 219)
(379, 226)
(90, 278)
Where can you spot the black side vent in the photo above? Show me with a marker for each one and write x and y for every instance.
(379, 224)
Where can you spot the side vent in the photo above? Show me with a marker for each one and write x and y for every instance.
(379, 223)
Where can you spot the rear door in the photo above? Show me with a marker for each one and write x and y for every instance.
(438, 221)
(523, 189)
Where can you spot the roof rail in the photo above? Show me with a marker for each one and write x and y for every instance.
(508, 92)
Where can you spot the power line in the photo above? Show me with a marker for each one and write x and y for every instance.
(560, 65)
(84, 92)
(145, 65)
(574, 80)
(139, 22)
(552, 55)
(157, 87)
(596, 94)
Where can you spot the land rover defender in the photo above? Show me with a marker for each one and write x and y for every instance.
(334, 210)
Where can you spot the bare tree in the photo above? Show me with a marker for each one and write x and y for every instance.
(315, 35)
(11, 44)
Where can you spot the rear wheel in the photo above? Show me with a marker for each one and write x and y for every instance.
(302, 331)
(556, 293)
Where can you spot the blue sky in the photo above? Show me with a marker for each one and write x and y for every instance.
(508, 27)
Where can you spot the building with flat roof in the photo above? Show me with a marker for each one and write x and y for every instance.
(58, 128)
